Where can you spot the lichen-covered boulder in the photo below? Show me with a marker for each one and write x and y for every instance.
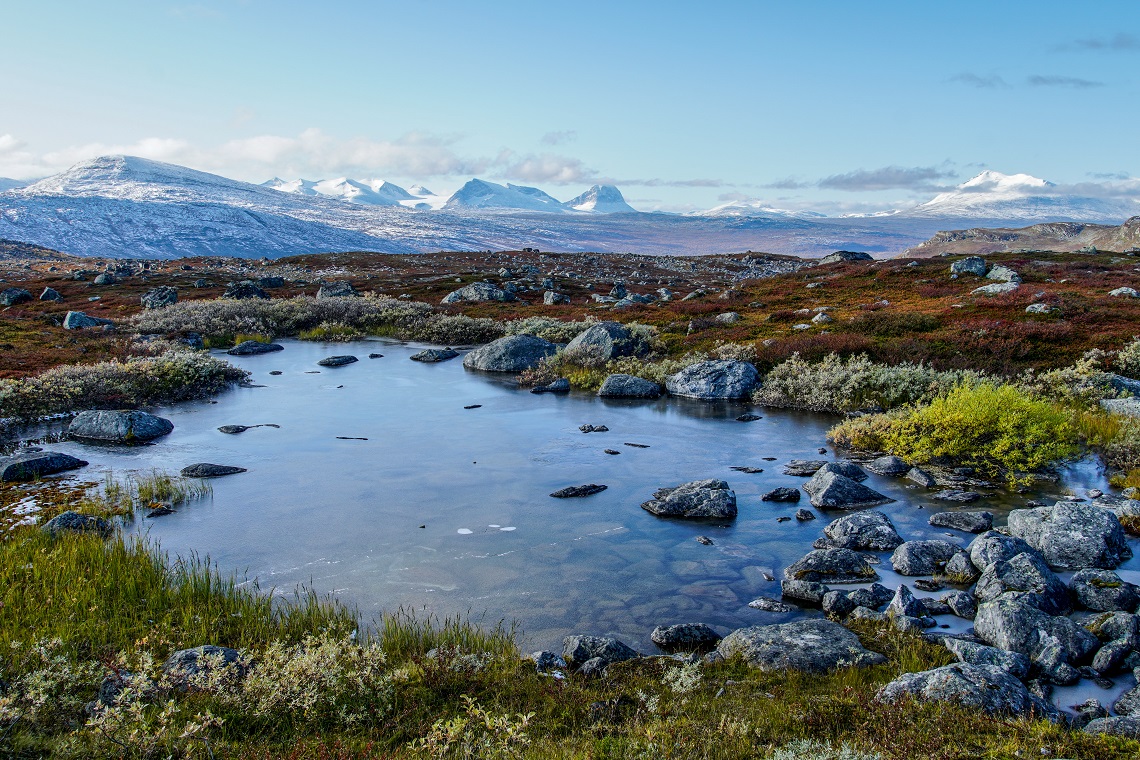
(29, 466)
(608, 340)
(1072, 535)
(185, 665)
(478, 292)
(830, 490)
(980, 687)
(971, 653)
(810, 646)
(722, 379)
(513, 353)
(1016, 625)
(707, 499)
(923, 557)
(160, 297)
(831, 566)
(578, 650)
(628, 386)
(337, 290)
(1103, 591)
(688, 637)
(73, 522)
(1031, 577)
(991, 547)
(863, 531)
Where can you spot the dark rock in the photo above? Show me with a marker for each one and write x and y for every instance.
(837, 604)
(845, 468)
(105, 279)
(29, 466)
(233, 429)
(376, 356)
(577, 650)
(607, 340)
(1109, 659)
(50, 294)
(77, 320)
(971, 653)
(803, 468)
(748, 470)
(628, 386)
(749, 418)
(890, 466)
(873, 597)
(1113, 626)
(922, 557)
(782, 494)
(1072, 536)
(561, 385)
(431, 355)
(970, 522)
(572, 492)
(687, 637)
(991, 547)
(1086, 712)
(14, 296)
(513, 353)
(1016, 625)
(698, 499)
(207, 470)
(612, 452)
(162, 511)
(721, 379)
(594, 667)
(182, 667)
(1103, 591)
(337, 290)
(923, 478)
(545, 662)
(477, 292)
(118, 426)
(254, 347)
(927, 584)
(271, 282)
(1029, 575)
(964, 497)
(244, 290)
(904, 603)
(831, 566)
(863, 531)
(158, 298)
(705, 540)
(810, 646)
(593, 428)
(961, 570)
(804, 591)
(73, 522)
(844, 256)
(962, 603)
(829, 490)
(1129, 702)
(978, 687)
(803, 515)
(337, 361)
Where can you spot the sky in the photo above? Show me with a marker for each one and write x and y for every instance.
(835, 106)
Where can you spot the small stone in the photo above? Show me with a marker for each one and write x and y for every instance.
(572, 492)
(704, 540)
(803, 515)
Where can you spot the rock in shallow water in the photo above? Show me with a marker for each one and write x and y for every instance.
(863, 531)
(29, 466)
(1017, 626)
(810, 646)
(433, 355)
(829, 490)
(513, 353)
(254, 347)
(922, 557)
(782, 494)
(337, 361)
(970, 522)
(207, 470)
(831, 566)
(628, 386)
(1029, 576)
(698, 499)
(1072, 536)
(714, 380)
(125, 426)
(572, 492)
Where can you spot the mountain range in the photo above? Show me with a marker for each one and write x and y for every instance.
(124, 206)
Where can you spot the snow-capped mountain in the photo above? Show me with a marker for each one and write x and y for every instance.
(1023, 198)
(601, 199)
(758, 208)
(480, 194)
(375, 192)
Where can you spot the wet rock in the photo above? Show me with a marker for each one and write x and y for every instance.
(872, 597)
(182, 667)
(803, 468)
(118, 426)
(573, 492)
(233, 429)
(863, 531)
(50, 294)
(971, 653)
(890, 466)
(974, 265)
(561, 385)
(29, 466)
(244, 290)
(963, 497)
(748, 470)
(962, 603)
(979, 687)
(14, 296)
(1017, 625)
(577, 650)
(1028, 574)
(337, 361)
(831, 566)
(1103, 591)
(803, 515)
(991, 547)
(608, 340)
(829, 490)
(628, 386)
(477, 292)
(922, 557)
(593, 428)
(970, 522)
(714, 380)
(77, 320)
(698, 499)
(254, 347)
(1086, 712)
(923, 478)
(432, 355)
(158, 298)
(810, 592)
(770, 605)
(207, 470)
(513, 353)
(810, 646)
(73, 522)
(1072, 536)
(162, 511)
(749, 418)
(686, 637)
(704, 540)
(337, 290)
(782, 494)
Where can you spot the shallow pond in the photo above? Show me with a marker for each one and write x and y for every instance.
(448, 509)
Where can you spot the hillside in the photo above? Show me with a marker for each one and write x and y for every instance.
(1058, 236)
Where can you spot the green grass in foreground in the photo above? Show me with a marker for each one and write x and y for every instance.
(74, 609)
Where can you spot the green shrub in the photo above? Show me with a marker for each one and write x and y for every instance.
(331, 332)
(1083, 384)
(1127, 361)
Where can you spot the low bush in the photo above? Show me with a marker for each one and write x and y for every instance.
(1127, 360)
(331, 332)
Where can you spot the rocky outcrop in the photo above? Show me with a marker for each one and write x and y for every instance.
(29, 466)
(831, 566)
(477, 292)
(118, 427)
(513, 353)
(708, 380)
(979, 687)
(1072, 535)
(628, 386)
(810, 646)
(829, 490)
(711, 499)
(158, 298)
(863, 531)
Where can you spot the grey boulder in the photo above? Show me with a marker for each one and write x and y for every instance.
(160, 297)
(972, 653)
(24, 467)
(688, 637)
(77, 320)
(991, 547)
(337, 290)
(863, 531)
(244, 290)
(1127, 726)
(577, 650)
(890, 466)
(14, 296)
(432, 355)
(182, 667)
(922, 557)
(699, 499)
(1029, 576)
(831, 566)
(1072, 535)
(721, 379)
(478, 292)
(980, 687)
(254, 347)
(607, 340)
(810, 646)
(629, 386)
(1103, 591)
(970, 522)
(830, 490)
(124, 426)
(1016, 625)
(337, 361)
(782, 494)
(513, 353)
(974, 265)
(73, 522)
(50, 294)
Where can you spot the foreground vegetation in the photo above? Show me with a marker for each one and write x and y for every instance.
(77, 612)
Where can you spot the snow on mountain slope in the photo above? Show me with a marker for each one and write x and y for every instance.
(480, 194)
(753, 207)
(1021, 197)
(601, 199)
(375, 192)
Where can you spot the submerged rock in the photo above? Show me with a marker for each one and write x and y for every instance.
(118, 426)
(721, 379)
(513, 353)
(699, 499)
(573, 492)
(810, 646)
(29, 466)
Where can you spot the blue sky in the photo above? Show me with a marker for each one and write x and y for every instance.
(836, 105)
